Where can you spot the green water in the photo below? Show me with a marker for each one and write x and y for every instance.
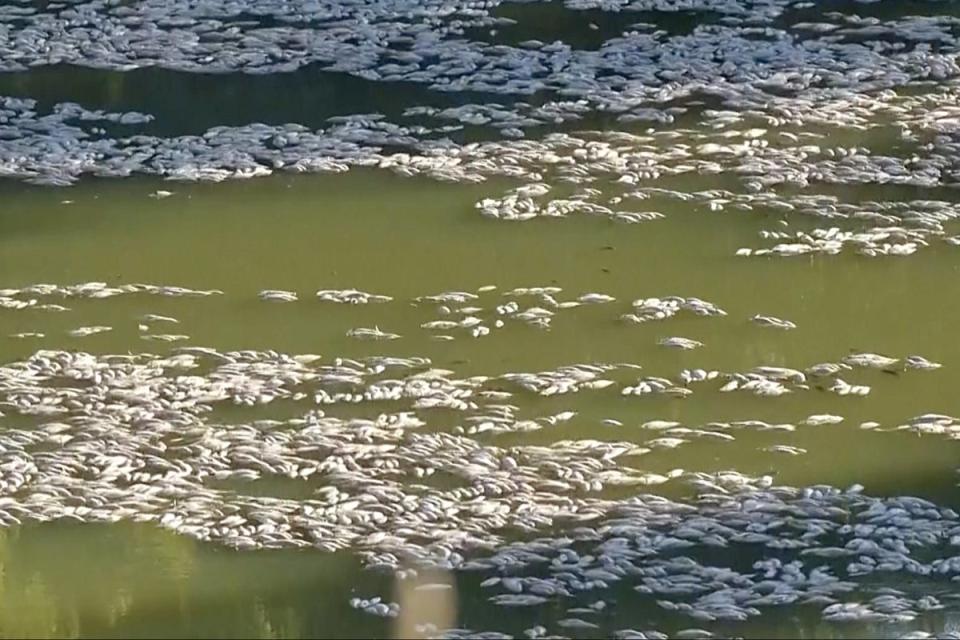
(411, 237)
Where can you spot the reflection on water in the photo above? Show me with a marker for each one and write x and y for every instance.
(429, 599)
(72, 580)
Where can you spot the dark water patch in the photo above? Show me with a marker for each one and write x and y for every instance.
(266, 20)
(45, 6)
(902, 43)
(585, 29)
(191, 103)
(882, 10)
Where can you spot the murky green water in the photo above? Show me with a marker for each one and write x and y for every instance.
(407, 238)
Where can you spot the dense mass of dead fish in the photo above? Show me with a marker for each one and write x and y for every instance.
(136, 437)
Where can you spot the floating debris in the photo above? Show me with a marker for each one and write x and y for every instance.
(770, 321)
(782, 448)
(152, 317)
(277, 295)
(371, 334)
(88, 331)
(375, 606)
(870, 360)
(350, 296)
(165, 337)
(680, 343)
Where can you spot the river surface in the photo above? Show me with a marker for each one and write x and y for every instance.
(407, 237)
